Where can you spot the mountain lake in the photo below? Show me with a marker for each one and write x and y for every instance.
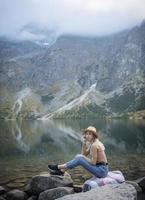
(28, 146)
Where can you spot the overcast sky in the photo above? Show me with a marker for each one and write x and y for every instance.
(83, 17)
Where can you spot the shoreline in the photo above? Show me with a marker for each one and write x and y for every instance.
(43, 186)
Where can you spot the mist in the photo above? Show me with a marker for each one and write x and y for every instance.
(79, 17)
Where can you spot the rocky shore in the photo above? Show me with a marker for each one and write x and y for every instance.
(50, 187)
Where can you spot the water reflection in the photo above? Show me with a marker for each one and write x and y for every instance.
(17, 134)
(37, 137)
(127, 136)
(64, 136)
(35, 143)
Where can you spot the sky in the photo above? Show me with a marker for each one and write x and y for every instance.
(80, 17)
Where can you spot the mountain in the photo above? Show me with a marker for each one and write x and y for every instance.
(73, 76)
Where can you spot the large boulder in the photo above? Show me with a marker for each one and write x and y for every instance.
(2, 190)
(44, 182)
(1, 198)
(78, 188)
(16, 195)
(138, 189)
(55, 193)
(32, 198)
(141, 183)
(122, 191)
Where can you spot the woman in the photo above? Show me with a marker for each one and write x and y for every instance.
(96, 164)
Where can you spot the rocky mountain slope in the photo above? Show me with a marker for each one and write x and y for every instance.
(74, 76)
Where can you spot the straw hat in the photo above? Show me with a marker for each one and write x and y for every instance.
(91, 129)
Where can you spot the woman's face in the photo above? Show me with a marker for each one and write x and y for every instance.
(89, 136)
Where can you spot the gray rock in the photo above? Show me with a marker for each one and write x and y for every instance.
(2, 190)
(141, 183)
(32, 198)
(136, 185)
(138, 189)
(1, 198)
(122, 191)
(44, 182)
(78, 188)
(16, 195)
(55, 193)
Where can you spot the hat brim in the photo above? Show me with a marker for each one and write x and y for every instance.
(89, 130)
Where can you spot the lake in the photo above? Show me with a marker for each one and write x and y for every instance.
(26, 147)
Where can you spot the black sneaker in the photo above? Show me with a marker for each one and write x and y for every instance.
(52, 168)
(57, 172)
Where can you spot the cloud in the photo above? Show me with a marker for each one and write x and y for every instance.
(83, 17)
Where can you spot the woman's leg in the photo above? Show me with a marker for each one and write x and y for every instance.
(64, 166)
(99, 171)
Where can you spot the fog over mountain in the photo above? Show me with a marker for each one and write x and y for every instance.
(79, 17)
(65, 58)
(72, 76)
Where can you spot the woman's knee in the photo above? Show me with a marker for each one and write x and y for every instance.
(80, 159)
(79, 156)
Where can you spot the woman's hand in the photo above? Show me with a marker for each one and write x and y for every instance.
(83, 139)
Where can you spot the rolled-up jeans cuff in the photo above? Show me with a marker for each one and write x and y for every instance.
(67, 166)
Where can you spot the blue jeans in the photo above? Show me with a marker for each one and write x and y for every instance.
(99, 171)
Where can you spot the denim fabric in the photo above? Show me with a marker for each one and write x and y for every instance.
(99, 171)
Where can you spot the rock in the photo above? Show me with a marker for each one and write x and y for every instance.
(2, 190)
(55, 193)
(16, 195)
(135, 184)
(138, 189)
(33, 198)
(122, 191)
(14, 185)
(78, 188)
(141, 183)
(44, 182)
(1, 198)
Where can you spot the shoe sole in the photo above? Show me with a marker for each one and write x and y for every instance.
(51, 170)
(56, 174)
(54, 171)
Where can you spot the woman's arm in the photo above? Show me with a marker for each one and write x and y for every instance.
(85, 150)
(93, 159)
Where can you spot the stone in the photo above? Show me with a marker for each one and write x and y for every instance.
(14, 185)
(16, 195)
(32, 198)
(55, 193)
(138, 189)
(122, 191)
(78, 188)
(141, 183)
(136, 185)
(1, 198)
(2, 190)
(44, 182)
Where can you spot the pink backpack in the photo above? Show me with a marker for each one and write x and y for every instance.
(113, 177)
